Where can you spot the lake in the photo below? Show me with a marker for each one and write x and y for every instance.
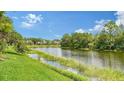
(100, 59)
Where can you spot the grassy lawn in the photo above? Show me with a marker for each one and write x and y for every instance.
(21, 67)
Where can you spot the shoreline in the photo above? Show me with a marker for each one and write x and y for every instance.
(90, 71)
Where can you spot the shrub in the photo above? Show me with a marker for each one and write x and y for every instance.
(20, 47)
(3, 45)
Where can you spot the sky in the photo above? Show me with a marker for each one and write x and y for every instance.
(53, 24)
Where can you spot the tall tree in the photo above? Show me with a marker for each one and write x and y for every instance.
(112, 29)
(8, 36)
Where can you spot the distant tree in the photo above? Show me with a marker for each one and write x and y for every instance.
(102, 41)
(66, 40)
(119, 40)
(77, 40)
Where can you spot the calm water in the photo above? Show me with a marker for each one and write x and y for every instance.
(114, 60)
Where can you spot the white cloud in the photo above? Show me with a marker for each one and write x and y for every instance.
(120, 18)
(90, 29)
(80, 30)
(99, 24)
(58, 36)
(14, 17)
(26, 25)
(30, 20)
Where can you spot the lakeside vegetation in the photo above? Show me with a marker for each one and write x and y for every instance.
(111, 37)
(88, 71)
(40, 41)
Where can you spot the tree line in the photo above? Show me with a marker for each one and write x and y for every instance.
(111, 37)
(40, 41)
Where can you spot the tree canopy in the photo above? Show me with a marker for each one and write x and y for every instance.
(8, 35)
(109, 38)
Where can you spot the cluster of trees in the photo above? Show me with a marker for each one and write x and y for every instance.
(110, 38)
(40, 41)
(8, 35)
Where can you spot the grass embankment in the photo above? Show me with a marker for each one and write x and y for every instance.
(15, 66)
(90, 71)
(21, 67)
(71, 75)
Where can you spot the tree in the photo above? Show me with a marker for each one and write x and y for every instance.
(81, 40)
(13, 38)
(102, 41)
(106, 38)
(119, 40)
(66, 40)
(20, 47)
(77, 40)
(111, 28)
(3, 45)
(5, 28)
(8, 36)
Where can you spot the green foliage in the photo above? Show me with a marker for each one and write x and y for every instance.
(13, 38)
(8, 36)
(119, 41)
(77, 40)
(40, 41)
(20, 47)
(66, 40)
(102, 41)
(107, 36)
(3, 45)
(5, 23)
(110, 38)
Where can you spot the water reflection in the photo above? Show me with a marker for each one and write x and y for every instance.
(114, 60)
(54, 63)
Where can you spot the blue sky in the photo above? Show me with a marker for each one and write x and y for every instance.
(52, 25)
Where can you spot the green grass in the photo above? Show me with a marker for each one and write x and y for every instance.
(90, 71)
(73, 76)
(15, 66)
(21, 67)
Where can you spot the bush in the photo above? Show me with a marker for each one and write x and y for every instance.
(3, 45)
(20, 47)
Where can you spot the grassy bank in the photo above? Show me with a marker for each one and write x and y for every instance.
(15, 66)
(71, 75)
(90, 71)
(21, 67)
